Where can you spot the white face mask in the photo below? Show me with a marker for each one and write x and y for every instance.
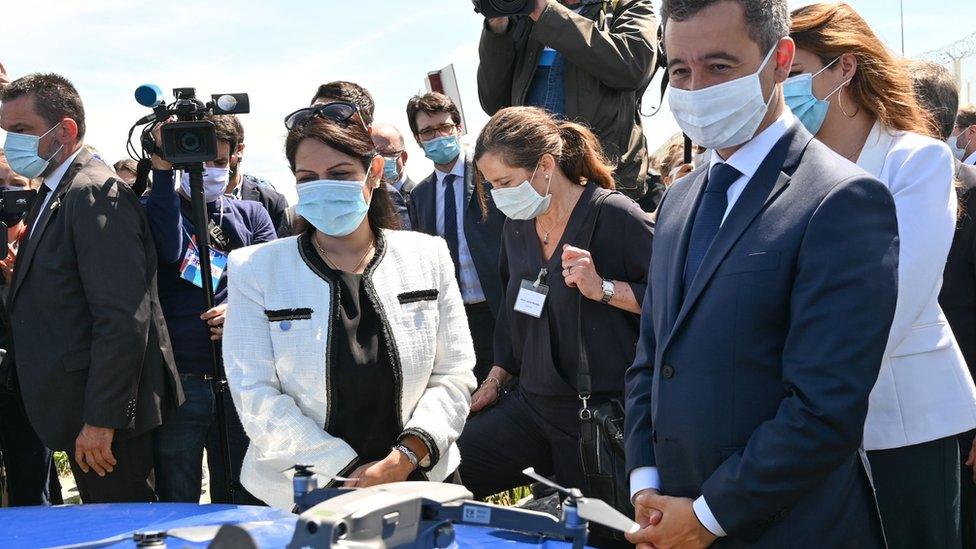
(214, 182)
(523, 202)
(725, 115)
(953, 142)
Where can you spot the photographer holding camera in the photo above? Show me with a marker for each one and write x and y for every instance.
(234, 224)
(93, 357)
(583, 60)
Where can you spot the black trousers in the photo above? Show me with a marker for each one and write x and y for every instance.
(482, 325)
(132, 480)
(918, 494)
(30, 472)
(967, 501)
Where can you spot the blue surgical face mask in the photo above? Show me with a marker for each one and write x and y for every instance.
(798, 92)
(337, 208)
(391, 173)
(443, 150)
(214, 183)
(22, 154)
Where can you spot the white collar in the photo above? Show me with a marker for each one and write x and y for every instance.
(54, 179)
(751, 155)
(971, 160)
(458, 169)
(874, 153)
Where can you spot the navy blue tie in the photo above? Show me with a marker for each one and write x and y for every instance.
(708, 219)
(450, 223)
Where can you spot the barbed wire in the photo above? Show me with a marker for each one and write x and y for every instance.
(959, 49)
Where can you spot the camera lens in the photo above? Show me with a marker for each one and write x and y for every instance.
(507, 7)
(189, 142)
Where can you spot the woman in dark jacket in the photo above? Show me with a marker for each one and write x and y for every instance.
(548, 177)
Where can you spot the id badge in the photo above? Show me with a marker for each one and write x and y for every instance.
(531, 298)
(190, 269)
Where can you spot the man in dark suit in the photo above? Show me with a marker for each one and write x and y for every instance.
(449, 204)
(389, 143)
(93, 353)
(244, 186)
(938, 92)
(772, 291)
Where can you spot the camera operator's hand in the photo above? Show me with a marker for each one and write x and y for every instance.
(158, 162)
(498, 25)
(215, 319)
(7, 264)
(93, 449)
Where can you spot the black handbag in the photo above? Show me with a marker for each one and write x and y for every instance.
(601, 443)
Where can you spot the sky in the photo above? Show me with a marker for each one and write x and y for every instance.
(279, 52)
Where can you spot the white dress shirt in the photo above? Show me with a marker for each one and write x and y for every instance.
(747, 160)
(971, 160)
(52, 181)
(471, 291)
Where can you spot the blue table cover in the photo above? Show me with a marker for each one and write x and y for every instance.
(30, 527)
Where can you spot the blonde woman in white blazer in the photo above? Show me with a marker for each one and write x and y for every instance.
(346, 347)
(863, 107)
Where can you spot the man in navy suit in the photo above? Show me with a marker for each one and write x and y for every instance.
(772, 290)
(449, 204)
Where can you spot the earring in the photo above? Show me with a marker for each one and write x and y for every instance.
(840, 101)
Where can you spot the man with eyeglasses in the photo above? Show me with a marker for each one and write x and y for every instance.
(447, 204)
(389, 143)
(349, 93)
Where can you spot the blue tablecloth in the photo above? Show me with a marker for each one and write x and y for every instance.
(30, 527)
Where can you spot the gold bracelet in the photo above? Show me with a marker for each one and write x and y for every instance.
(498, 384)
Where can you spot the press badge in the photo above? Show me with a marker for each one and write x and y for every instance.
(532, 296)
(190, 269)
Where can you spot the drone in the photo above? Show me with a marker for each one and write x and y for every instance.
(422, 515)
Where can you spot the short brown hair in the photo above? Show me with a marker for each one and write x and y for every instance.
(430, 103)
(352, 140)
(351, 92)
(966, 116)
(126, 164)
(229, 129)
(937, 93)
(55, 98)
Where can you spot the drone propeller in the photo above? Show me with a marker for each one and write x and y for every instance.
(309, 470)
(192, 534)
(590, 509)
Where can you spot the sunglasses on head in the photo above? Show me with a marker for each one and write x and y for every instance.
(338, 111)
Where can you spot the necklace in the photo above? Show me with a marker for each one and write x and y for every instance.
(332, 264)
(545, 235)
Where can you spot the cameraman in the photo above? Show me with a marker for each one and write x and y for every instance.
(583, 60)
(185, 432)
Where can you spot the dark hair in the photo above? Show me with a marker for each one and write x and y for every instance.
(937, 93)
(229, 129)
(352, 140)
(125, 164)
(55, 98)
(767, 20)
(521, 135)
(430, 103)
(966, 116)
(351, 92)
(881, 83)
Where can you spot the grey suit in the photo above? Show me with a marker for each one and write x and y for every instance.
(92, 346)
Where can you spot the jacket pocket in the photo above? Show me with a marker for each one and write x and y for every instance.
(289, 314)
(923, 339)
(419, 295)
(74, 361)
(751, 263)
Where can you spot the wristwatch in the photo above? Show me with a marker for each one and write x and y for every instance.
(609, 289)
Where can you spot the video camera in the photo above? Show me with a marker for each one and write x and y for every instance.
(191, 139)
(503, 8)
(13, 202)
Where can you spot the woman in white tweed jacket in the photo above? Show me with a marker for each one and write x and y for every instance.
(346, 347)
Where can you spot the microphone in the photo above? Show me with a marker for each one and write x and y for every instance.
(149, 95)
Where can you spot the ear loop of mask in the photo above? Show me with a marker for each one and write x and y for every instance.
(827, 66)
(48, 159)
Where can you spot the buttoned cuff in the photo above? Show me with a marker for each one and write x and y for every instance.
(643, 478)
(706, 517)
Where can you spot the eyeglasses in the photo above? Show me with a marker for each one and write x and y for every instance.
(338, 111)
(444, 129)
(391, 154)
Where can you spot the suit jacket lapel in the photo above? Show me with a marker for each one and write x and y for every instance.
(769, 181)
(684, 211)
(26, 255)
(425, 203)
